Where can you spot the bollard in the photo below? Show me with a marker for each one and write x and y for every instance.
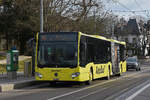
(27, 69)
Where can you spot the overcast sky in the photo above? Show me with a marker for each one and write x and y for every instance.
(126, 5)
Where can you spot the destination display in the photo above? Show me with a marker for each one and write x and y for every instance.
(58, 37)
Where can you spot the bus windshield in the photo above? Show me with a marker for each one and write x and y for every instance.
(59, 54)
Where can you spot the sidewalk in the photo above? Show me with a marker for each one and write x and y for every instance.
(9, 85)
(21, 81)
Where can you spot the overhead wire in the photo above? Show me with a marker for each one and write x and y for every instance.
(146, 11)
(138, 5)
(132, 11)
(116, 1)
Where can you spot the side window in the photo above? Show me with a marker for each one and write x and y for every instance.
(122, 52)
(82, 52)
(109, 53)
(90, 53)
(134, 40)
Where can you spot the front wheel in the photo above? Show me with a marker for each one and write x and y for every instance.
(108, 75)
(52, 83)
(90, 78)
(138, 69)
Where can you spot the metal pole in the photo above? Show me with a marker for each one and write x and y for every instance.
(112, 27)
(94, 13)
(41, 16)
(112, 46)
(95, 20)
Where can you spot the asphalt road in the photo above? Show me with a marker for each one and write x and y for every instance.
(100, 89)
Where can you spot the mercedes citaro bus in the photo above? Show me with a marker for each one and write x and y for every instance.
(77, 57)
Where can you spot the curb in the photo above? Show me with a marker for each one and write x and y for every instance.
(11, 86)
(6, 87)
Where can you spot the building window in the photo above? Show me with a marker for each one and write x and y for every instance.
(134, 40)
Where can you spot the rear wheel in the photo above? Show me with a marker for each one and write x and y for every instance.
(121, 71)
(137, 69)
(127, 69)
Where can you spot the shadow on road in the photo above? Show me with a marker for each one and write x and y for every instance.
(59, 85)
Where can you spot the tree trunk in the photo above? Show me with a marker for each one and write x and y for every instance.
(7, 41)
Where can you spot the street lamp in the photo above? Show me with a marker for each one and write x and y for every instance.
(41, 16)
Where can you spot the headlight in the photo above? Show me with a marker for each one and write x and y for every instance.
(38, 75)
(75, 74)
(136, 64)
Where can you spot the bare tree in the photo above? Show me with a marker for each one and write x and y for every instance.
(59, 13)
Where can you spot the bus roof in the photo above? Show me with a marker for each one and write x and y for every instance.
(103, 38)
(92, 36)
(96, 36)
(119, 42)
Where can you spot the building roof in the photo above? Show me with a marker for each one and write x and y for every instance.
(133, 27)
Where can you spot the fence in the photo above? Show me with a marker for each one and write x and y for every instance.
(24, 71)
(2, 72)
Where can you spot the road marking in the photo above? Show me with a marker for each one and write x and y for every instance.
(69, 93)
(91, 93)
(138, 92)
(66, 94)
(122, 91)
(127, 94)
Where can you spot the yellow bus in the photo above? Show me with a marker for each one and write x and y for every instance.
(77, 57)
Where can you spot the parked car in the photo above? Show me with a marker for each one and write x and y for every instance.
(132, 63)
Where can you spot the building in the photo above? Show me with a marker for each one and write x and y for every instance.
(131, 33)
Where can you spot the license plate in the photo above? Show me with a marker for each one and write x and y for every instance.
(55, 79)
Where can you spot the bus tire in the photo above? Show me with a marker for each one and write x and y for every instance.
(121, 71)
(127, 69)
(90, 77)
(108, 75)
(52, 83)
(137, 69)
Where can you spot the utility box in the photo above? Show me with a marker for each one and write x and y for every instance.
(27, 69)
(12, 60)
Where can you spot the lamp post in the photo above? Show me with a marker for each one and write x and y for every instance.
(41, 16)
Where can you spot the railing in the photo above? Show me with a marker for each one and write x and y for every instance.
(2, 72)
(23, 72)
